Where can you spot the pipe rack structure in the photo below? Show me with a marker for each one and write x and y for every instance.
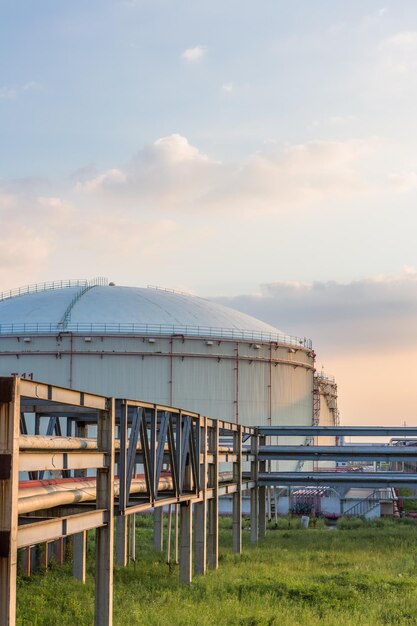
(162, 456)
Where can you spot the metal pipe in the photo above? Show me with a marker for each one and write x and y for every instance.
(337, 431)
(57, 495)
(343, 453)
(329, 479)
(75, 491)
(45, 442)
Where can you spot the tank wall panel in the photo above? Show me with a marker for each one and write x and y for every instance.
(205, 385)
(203, 379)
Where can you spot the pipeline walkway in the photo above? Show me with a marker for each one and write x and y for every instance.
(144, 457)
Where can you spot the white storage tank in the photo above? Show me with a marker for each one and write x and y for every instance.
(158, 346)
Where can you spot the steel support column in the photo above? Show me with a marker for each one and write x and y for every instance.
(254, 491)
(79, 540)
(201, 509)
(213, 503)
(121, 540)
(262, 494)
(237, 496)
(9, 455)
(186, 542)
(103, 615)
(158, 529)
(79, 544)
(132, 537)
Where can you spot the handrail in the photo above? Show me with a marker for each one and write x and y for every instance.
(324, 378)
(94, 282)
(154, 329)
(47, 286)
(370, 502)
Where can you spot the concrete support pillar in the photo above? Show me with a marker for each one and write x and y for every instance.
(254, 492)
(158, 529)
(9, 454)
(79, 545)
(237, 496)
(186, 542)
(103, 615)
(213, 502)
(121, 540)
(132, 537)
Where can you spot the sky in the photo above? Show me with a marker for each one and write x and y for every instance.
(259, 153)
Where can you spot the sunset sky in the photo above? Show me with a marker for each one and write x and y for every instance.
(259, 153)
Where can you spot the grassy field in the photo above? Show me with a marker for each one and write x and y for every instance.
(360, 573)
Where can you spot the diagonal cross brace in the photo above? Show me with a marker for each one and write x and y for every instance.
(195, 454)
(185, 443)
(146, 455)
(173, 456)
(131, 452)
(163, 428)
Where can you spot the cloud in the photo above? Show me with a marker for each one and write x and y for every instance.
(227, 87)
(399, 52)
(403, 182)
(334, 120)
(111, 177)
(173, 175)
(12, 92)
(29, 232)
(374, 313)
(169, 174)
(340, 120)
(193, 55)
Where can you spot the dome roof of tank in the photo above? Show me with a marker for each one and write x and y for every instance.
(98, 307)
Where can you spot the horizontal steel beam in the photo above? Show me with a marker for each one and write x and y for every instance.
(337, 431)
(50, 529)
(42, 391)
(341, 453)
(331, 479)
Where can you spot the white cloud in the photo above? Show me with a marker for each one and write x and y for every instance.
(171, 174)
(193, 55)
(372, 313)
(110, 177)
(8, 93)
(399, 52)
(403, 182)
(12, 92)
(340, 120)
(227, 87)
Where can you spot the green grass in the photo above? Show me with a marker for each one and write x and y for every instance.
(346, 576)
